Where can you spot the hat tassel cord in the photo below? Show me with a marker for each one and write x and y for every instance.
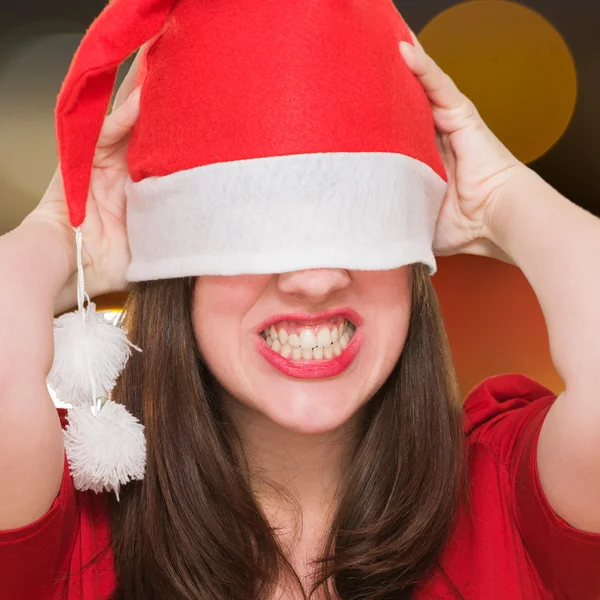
(104, 442)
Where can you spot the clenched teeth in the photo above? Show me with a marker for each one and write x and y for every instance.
(304, 344)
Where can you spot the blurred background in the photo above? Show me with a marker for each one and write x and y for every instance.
(531, 68)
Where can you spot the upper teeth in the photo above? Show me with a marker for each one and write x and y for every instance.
(308, 339)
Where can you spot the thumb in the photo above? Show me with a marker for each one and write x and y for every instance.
(129, 82)
(118, 124)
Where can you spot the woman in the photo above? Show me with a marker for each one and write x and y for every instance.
(268, 480)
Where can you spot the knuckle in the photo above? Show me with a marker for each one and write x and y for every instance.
(468, 110)
(473, 112)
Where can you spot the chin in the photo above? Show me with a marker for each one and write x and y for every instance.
(310, 413)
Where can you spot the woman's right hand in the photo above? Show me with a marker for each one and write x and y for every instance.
(105, 253)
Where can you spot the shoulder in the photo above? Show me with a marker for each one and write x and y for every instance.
(501, 409)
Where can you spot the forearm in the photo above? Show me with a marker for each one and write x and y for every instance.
(35, 263)
(557, 246)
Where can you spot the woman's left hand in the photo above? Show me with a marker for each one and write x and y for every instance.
(477, 163)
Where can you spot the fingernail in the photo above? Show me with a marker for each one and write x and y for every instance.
(406, 49)
(135, 93)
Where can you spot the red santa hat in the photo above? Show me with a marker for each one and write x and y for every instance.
(274, 135)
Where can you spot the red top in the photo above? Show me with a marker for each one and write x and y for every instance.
(513, 545)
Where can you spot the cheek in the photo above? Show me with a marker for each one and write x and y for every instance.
(222, 312)
(388, 324)
(385, 342)
(215, 328)
(393, 337)
(217, 341)
(393, 329)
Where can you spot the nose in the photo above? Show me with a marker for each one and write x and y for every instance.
(314, 285)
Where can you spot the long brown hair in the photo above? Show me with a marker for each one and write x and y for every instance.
(192, 529)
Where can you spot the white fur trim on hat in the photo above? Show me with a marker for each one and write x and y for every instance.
(353, 210)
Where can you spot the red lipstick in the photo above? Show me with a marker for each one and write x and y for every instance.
(313, 368)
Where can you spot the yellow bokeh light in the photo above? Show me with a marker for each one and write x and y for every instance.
(513, 64)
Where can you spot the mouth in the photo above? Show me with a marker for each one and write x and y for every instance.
(311, 346)
(319, 341)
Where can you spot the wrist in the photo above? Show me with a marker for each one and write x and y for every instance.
(56, 237)
(486, 248)
(501, 205)
(56, 244)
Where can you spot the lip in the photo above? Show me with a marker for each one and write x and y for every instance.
(349, 313)
(312, 369)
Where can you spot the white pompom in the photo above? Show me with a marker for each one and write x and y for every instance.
(89, 355)
(104, 451)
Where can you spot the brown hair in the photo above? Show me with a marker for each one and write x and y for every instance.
(192, 528)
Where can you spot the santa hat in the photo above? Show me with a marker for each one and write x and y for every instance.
(274, 135)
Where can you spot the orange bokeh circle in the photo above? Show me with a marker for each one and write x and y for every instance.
(513, 64)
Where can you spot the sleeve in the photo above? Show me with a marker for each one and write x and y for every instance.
(506, 413)
(35, 559)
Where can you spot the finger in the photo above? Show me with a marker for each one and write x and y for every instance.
(414, 37)
(129, 82)
(440, 88)
(118, 124)
(445, 151)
